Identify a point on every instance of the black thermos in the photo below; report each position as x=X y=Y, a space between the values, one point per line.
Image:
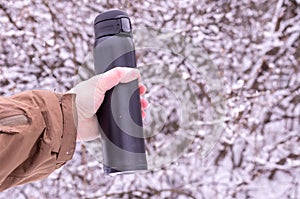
x=120 y=113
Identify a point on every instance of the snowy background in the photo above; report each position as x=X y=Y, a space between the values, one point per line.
x=245 y=95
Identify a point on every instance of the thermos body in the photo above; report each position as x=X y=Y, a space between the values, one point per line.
x=120 y=113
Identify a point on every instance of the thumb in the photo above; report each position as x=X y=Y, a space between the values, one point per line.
x=115 y=76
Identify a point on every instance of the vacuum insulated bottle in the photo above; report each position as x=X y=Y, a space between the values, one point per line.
x=120 y=113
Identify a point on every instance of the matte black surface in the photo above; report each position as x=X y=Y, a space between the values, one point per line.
x=120 y=113
x=111 y=23
x=111 y=14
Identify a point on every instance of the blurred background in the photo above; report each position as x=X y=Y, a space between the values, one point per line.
x=226 y=74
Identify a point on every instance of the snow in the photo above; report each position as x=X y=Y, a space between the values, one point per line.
x=225 y=74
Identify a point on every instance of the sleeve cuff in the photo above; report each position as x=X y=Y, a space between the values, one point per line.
x=68 y=142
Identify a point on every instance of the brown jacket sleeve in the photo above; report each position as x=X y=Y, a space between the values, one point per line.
x=37 y=135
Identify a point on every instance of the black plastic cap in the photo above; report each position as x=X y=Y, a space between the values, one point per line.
x=111 y=14
x=111 y=23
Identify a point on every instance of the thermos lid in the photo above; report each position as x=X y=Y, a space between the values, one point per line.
x=111 y=14
x=112 y=22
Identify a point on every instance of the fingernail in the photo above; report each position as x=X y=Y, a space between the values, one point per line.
x=134 y=74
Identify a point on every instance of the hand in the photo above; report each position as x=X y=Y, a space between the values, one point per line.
x=90 y=95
